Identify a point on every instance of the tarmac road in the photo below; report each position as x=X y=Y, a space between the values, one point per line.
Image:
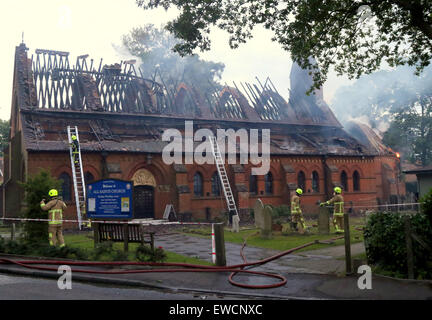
x=23 y=288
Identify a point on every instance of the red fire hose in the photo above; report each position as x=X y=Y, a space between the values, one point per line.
x=180 y=267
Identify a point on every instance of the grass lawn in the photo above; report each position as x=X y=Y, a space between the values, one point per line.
x=85 y=241
x=286 y=239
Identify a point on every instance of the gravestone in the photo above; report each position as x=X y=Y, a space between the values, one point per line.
x=324 y=220
x=263 y=219
x=266 y=230
x=258 y=213
x=235 y=223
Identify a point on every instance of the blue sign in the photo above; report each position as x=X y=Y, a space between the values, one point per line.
x=109 y=198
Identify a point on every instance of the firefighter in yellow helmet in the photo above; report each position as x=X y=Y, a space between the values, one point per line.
x=55 y=209
x=297 y=221
x=338 y=209
x=75 y=148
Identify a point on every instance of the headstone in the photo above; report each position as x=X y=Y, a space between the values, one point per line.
x=258 y=213
x=266 y=229
x=324 y=221
x=235 y=223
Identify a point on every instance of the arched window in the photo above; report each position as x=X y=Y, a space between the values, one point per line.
x=344 y=181
x=65 y=187
x=301 y=180
x=315 y=181
x=215 y=184
x=88 y=177
x=253 y=185
x=268 y=183
x=356 y=181
x=198 y=184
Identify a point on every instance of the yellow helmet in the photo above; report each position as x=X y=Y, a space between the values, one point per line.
x=337 y=190
x=299 y=191
x=53 y=193
x=74 y=137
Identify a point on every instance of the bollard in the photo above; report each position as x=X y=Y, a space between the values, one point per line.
x=220 y=245
x=348 y=268
x=213 y=245
x=409 y=248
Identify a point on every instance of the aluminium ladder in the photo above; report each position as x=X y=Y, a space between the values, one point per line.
x=78 y=175
x=229 y=197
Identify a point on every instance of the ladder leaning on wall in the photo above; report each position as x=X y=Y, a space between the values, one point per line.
x=77 y=175
x=229 y=197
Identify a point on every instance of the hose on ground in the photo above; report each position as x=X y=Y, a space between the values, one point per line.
x=168 y=267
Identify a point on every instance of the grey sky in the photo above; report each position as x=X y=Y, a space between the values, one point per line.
x=93 y=26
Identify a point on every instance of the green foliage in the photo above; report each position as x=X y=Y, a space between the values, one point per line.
x=41 y=249
x=106 y=252
x=145 y=254
x=4 y=134
x=153 y=46
x=384 y=237
x=280 y=213
x=36 y=188
x=354 y=37
x=411 y=130
x=426 y=205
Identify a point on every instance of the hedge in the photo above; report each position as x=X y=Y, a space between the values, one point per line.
x=385 y=243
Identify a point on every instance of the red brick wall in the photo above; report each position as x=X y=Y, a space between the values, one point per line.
x=167 y=180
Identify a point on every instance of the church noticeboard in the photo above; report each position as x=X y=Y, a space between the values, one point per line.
x=109 y=199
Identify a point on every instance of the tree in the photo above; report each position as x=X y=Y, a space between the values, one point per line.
x=354 y=37
x=411 y=131
x=153 y=46
x=4 y=134
x=36 y=188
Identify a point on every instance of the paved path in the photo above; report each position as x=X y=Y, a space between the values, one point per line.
x=321 y=261
x=305 y=273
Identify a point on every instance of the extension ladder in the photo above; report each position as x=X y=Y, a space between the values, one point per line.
x=78 y=175
x=229 y=197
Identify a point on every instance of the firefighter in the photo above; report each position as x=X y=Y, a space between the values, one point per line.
x=55 y=209
x=297 y=221
x=338 y=209
x=75 y=148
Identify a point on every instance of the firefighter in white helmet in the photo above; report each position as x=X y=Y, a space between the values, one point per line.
x=55 y=209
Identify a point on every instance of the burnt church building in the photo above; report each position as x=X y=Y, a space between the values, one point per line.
x=121 y=117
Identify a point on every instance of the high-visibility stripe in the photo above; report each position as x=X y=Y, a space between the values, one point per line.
x=295 y=208
x=53 y=217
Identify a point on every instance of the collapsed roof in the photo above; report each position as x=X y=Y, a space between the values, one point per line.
x=118 y=110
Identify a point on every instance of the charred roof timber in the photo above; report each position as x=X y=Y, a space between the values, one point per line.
x=118 y=88
x=52 y=94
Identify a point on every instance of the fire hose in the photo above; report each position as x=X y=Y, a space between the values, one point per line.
x=179 y=267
